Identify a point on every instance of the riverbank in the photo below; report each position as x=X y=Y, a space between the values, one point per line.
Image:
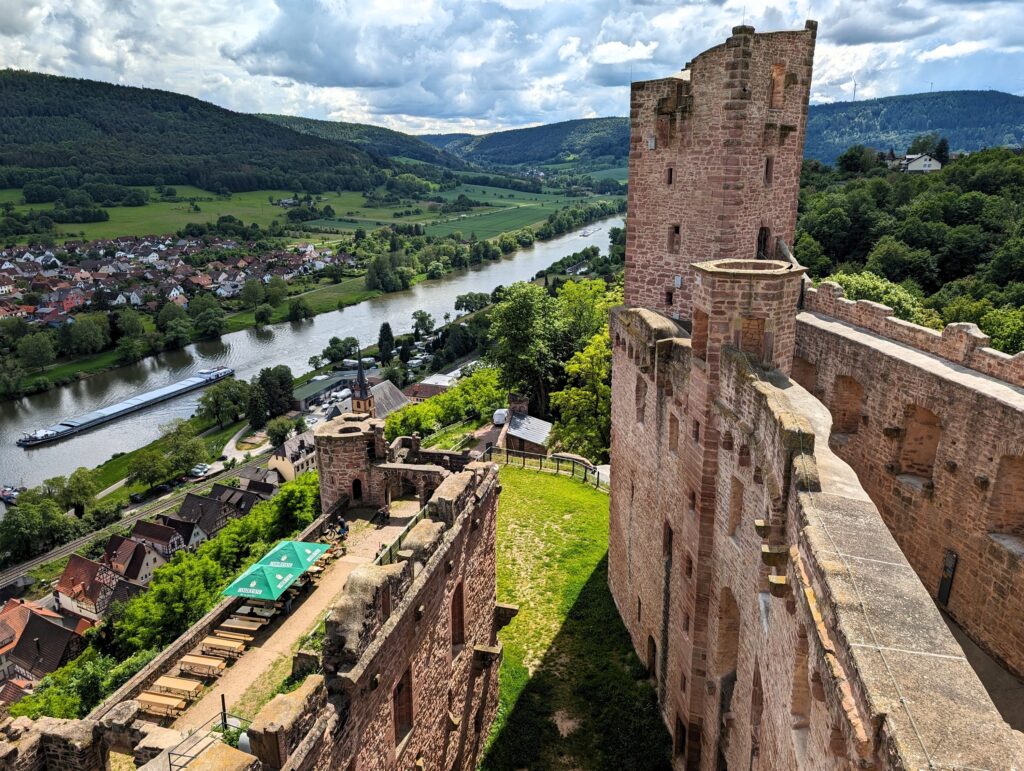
x=247 y=351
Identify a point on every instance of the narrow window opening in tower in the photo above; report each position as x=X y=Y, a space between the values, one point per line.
x=769 y=170
x=764 y=237
x=674 y=238
x=669 y=297
x=669 y=175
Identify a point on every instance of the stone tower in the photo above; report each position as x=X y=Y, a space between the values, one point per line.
x=714 y=162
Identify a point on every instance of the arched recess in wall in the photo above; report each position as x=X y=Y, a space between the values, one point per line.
x=805 y=374
x=921 y=435
x=357 y=489
x=800 y=698
x=764 y=245
x=756 y=711
x=1006 y=506
x=847 y=405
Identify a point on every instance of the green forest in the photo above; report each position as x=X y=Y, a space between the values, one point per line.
x=69 y=132
x=373 y=139
x=939 y=248
x=573 y=140
x=970 y=120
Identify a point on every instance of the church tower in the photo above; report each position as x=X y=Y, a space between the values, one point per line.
x=362 y=396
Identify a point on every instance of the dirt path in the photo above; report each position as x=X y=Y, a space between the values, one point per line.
x=280 y=638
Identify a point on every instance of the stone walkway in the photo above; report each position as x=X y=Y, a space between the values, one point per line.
x=280 y=638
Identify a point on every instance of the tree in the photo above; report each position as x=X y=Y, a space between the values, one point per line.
x=79 y=490
x=256 y=409
x=300 y=424
x=263 y=314
x=316 y=361
x=422 y=323
x=521 y=345
x=34 y=527
x=36 y=350
x=924 y=143
x=224 y=401
x=896 y=261
x=178 y=333
x=584 y=406
x=130 y=349
x=941 y=152
x=870 y=286
x=338 y=349
x=252 y=293
x=88 y=335
x=148 y=467
x=210 y=323
x=386 y=343
x=279 y=429
x=277 y=384
x=129 y=323
x=277 y=290
x=857 y=159
x=472 y=301
x=405 y=352
x=396 y=374
x=184 y=448
x=299 y=309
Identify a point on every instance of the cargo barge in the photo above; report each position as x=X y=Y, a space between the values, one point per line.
x=103 y=415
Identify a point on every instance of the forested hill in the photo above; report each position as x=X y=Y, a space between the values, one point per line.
x=53 y=125
x=970 y=120
x=584 y=139
x=373 y=139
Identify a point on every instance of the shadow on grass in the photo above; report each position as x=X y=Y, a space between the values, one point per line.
x=592 y=683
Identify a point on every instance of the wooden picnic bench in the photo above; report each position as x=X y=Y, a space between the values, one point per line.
x=207 y=666
x=222 y=646
x=160 y=703
x=227 y=634
x=241 y=624
x=178 y=686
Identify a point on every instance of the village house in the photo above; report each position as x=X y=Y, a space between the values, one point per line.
x=295 y=456
x=88 y=588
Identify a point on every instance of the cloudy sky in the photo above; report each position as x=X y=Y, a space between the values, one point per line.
x=477 y=65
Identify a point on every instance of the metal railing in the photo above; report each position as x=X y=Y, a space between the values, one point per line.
x=389 y=554
x=213 y=730
x=579 y=470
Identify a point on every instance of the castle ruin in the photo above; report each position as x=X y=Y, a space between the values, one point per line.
x=797 y=479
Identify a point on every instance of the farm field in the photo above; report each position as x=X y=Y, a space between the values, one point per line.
x=619 y=173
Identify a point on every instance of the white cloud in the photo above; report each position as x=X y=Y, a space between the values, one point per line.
x=475 y=65
x=617 y=52
x=952 y=50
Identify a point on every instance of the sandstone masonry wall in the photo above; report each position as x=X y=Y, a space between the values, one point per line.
x=952 y=488
x=804 y=657
x=714 y=162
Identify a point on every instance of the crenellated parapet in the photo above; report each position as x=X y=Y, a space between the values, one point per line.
x=962 y=343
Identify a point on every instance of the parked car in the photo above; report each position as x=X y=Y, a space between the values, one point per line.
x=199 y=470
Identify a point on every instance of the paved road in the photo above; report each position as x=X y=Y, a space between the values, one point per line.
x=11 y=575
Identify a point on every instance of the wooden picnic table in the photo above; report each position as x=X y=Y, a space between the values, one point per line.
x=202 y=665
x=223 y=645
x=160 y=703
x=243 y=624
x=179 y=686
x=226 y=634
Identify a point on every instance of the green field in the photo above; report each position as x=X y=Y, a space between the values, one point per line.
x=619 y=173
x=322 y=299
x=573 y=694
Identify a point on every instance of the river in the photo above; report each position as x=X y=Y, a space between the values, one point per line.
x=247 y=352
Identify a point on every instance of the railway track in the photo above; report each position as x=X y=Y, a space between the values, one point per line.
x=13 y=574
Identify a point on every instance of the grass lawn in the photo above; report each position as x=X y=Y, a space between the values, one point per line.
x=453 y=438
x=322 y=299
x=573 y=693
x=96 y=362
x=116 y=469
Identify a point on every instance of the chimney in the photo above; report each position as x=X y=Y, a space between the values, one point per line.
x=518 y=404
